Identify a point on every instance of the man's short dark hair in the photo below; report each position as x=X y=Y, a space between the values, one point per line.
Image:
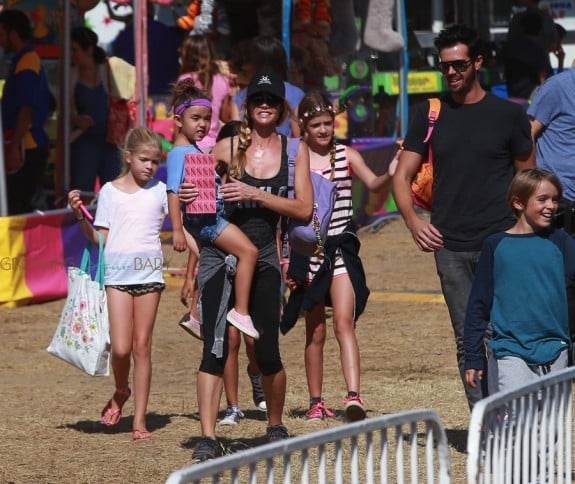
x=460 y=34
x=17 y=21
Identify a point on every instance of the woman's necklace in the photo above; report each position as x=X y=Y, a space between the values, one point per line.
x=261 y=148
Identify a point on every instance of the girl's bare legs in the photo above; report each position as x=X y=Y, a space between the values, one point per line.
x=343 y=299
x=131 y=324
x=193 y=259
x=233 y=241
x=253 y=366
x=145 y=309
x=315 y=335
x=120 y=317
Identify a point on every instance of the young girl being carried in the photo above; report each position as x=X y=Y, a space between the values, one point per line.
x=130 y=213
x=198 y=62
x=346 y=290
x=192 y=115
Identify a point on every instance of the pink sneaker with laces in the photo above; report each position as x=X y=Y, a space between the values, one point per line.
x=317 y=412
x=354 y=408
x=244 y=323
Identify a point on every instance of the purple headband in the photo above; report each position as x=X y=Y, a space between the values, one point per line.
x=180 y=108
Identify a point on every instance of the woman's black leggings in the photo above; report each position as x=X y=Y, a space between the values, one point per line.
x=265 y=313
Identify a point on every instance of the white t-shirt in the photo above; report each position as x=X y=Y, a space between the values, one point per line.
x=133 y=251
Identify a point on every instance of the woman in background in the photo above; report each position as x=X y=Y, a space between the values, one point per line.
x=91 y=155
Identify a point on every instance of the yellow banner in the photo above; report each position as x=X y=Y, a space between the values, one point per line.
x=13 y=288
x=418 y=82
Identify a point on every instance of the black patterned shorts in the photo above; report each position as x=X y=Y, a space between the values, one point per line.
x=139 y=289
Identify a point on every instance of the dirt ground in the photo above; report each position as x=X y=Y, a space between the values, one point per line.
x=50 y=427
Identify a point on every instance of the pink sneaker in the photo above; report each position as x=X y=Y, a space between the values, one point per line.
x=318 y=412
x=354 y=408
x=243 y=323
x=192 y=326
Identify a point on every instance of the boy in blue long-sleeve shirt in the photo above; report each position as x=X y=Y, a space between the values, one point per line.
x=519 y=287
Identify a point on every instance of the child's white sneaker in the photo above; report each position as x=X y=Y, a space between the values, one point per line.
x=232 y=417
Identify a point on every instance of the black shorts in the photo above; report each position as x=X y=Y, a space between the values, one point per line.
x=139 y=289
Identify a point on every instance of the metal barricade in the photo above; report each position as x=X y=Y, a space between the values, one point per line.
x=524 y=435
x=409 y=446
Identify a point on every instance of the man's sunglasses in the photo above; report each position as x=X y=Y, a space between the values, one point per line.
x=269 y=99
x=458 y=65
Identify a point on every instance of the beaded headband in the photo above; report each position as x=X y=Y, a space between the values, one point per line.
x=180 y=108
x=317 y=110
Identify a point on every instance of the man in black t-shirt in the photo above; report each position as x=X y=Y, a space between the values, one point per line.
x=478 y=143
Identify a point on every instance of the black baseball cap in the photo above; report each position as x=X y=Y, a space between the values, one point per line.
x=268 y=82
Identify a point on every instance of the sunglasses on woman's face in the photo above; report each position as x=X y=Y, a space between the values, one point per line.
x=268 y=99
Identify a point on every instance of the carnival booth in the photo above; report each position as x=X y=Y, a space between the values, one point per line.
x=35 y=249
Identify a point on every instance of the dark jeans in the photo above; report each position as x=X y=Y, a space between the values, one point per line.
x=26 y=182
x=456 y=271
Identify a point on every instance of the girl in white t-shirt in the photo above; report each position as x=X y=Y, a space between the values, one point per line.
x=130 y=213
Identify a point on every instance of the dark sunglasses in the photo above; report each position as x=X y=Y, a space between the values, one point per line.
x=262 y=98
x=458 y=65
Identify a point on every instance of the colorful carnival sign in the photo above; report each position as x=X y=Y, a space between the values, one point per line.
x=35 y=251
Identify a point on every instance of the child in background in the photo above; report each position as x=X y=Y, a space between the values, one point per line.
x=129 y=216
x=345 y=289
x=519 y=287
x=198 y=63
x=192 y=115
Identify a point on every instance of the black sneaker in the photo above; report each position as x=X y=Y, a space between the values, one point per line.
x=276 y=432
x=258 y=391
x=206 y=449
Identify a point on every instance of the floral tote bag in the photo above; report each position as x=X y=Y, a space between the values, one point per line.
x=82 y=337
